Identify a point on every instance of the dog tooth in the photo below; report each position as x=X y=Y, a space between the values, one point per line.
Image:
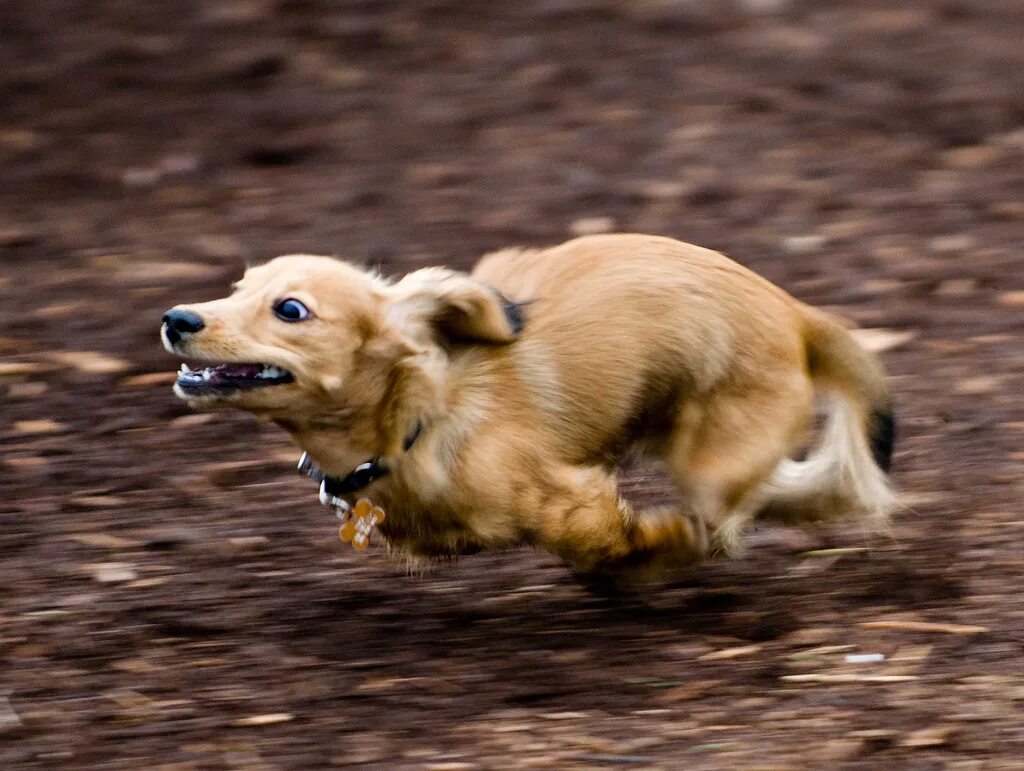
x=207 y=373
x=184 y=369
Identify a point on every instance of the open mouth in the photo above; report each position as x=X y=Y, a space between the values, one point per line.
x=228 y=378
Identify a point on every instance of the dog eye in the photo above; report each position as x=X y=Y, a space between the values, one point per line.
x=291 y=310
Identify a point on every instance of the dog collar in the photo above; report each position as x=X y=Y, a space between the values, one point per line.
x=361 y=476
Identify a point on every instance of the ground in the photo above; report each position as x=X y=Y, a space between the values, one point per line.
x=174 y=597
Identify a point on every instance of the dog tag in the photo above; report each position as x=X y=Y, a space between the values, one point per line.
x=357 y=529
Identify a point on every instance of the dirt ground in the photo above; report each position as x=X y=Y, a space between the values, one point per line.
x=173 y=597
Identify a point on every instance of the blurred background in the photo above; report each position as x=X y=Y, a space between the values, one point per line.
x=173 y=597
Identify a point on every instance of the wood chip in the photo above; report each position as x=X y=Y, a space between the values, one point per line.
x=589 y=226
x=90 y=362
x=847 y=678
x=271 y=719
x=8 y=717
x=228 y=473
x=142 y=272
x=26 y=390
x=41 y=426
x=838 y=551
x=193 y=420
x=113 y=572
x=881 y=339
x=26 y=462
x=924 y=626
x=730 y=653
x=982 y=384
x=150 y=379
x=13 y=368
x=103 y=541
x=1014 y=299
x=98 y=501
x=933 y=736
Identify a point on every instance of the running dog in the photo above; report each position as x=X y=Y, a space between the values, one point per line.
x=490 y=409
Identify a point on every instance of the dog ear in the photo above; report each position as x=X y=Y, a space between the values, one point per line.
x=457 y=306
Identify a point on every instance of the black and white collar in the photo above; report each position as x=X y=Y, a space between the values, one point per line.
x=361 y=476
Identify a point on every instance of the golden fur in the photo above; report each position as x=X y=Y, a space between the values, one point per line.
x=629 y=341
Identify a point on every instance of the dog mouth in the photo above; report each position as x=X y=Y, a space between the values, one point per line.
x=224 y=379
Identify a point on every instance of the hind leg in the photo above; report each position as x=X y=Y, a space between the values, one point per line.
x=722 y=452
x=585 y=521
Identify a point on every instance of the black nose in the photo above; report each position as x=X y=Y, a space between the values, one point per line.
x=178 y=323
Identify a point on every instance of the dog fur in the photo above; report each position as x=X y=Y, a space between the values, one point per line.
x=536 y=373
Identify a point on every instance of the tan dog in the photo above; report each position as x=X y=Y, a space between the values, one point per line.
x=493 y=407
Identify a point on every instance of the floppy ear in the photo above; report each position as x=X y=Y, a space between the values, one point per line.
x=456 y=305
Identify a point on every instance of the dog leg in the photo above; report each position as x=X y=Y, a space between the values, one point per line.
x=722 y=456
x=587 y=523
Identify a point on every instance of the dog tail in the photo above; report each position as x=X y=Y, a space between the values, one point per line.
x=847 y=472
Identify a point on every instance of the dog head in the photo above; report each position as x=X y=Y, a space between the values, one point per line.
x=318 y=345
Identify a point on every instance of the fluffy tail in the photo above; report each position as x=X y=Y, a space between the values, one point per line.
x=846 y=472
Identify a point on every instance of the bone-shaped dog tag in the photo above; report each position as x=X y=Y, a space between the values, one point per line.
x=357 y=529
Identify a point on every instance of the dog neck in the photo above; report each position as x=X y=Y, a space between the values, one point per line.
x=362 y=475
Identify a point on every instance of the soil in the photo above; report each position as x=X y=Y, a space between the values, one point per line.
x=173 y=595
